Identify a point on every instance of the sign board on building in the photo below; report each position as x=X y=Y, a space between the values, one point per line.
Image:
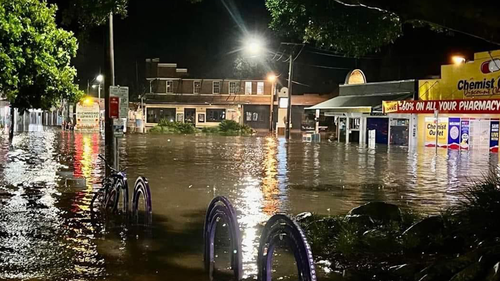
x=478 y=79
x=483 y=106
x=122 y=94
x=355 y=77
x=87 y=116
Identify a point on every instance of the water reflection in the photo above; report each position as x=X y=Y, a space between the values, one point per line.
x=45 y=230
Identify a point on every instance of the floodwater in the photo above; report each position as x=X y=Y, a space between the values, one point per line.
x=46 y=233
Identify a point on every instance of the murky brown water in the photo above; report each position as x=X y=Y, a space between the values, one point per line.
x=46 y=234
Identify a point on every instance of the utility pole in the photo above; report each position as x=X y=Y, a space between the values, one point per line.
x=109 y=81
x=289 y=108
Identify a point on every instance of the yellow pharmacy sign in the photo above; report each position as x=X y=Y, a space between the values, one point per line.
x=478 y=79
x=431 y=131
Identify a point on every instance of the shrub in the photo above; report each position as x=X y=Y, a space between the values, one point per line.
x=233 y=128
x=210 y=130
x=165 y=126
x=185 y=128
x=229 y=125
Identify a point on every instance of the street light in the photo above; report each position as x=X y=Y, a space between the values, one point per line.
x=458 y=59
x=254 y=46
x=100 y=80
x=271 y=77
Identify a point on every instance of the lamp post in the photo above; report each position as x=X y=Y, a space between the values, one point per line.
x=272 y=78
x=255 y=47
x=100 y=80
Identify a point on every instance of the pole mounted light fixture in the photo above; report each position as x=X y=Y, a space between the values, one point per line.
x=272 y=77
x=99 y=78
x=458 y=59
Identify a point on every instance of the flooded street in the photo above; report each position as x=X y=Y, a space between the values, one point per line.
x=45 y=227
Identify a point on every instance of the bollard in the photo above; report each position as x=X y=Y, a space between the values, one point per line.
x=221 y=208
x=281 y=227
x=141 y=188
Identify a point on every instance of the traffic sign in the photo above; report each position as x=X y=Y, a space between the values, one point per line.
x=118 y=127
x=122 y=93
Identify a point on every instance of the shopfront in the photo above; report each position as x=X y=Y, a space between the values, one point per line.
x=453 y=124
x=357 y=113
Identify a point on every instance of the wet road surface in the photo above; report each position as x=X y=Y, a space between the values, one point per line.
x=45 y=227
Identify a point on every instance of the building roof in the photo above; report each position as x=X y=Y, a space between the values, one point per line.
x=368 y=97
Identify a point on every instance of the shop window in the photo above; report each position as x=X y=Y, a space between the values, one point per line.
x=260 y=88
x=253 y=117
x=157 y=114
x=216 y=115
x=354 y=123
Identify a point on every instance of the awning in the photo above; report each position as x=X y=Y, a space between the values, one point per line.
x=359 y=103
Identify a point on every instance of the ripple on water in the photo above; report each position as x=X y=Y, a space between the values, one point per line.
x=45 y=231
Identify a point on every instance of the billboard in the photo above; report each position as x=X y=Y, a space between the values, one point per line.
x=477 y=79
x=87 y=115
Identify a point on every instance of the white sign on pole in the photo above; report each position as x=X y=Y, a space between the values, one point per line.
x=122 y=93
x=118 y=127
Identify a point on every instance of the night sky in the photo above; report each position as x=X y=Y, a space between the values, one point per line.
x=203 y=37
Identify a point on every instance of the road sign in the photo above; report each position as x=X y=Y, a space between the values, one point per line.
x=122 y=93
x=118 y=127
x=114 y=107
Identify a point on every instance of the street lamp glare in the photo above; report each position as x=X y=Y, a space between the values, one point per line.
x=253 y=45
x=271 y=77
x=94 y=86
x=458 y=59
x=99 y=78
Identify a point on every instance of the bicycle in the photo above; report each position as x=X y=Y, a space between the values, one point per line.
x=107 y=198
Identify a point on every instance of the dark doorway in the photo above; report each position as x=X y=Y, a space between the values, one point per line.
x=381 y=127
x=189 y=115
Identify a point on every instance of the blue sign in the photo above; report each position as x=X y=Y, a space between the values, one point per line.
x=454 y=133
x=464 y=136
x=494 y=135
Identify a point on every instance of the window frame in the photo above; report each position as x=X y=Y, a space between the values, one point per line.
x=194 y=86
x=213 y=87
x=169 y=89
x=236 y=87
x=262 y=87
x=222 y=118
x=247 y=84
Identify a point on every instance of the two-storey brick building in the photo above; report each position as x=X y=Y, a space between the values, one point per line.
x=175 y=96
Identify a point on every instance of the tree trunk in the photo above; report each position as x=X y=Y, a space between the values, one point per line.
x=11 y=129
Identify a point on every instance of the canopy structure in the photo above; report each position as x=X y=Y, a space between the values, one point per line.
x=367 y=98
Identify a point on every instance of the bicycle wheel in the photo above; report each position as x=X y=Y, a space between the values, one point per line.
x=97 y=206
x=112 y=199
x=122 y=186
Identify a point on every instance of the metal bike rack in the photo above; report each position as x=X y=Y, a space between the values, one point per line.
x=141 y=189
x=221 y=208
x=281 y=227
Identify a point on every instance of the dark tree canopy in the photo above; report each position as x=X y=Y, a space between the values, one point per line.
x=35 y=55
x=90 y=13
x=348 y=30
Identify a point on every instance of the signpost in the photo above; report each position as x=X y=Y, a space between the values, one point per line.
x=118 y=111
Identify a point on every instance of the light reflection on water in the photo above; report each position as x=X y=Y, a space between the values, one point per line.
x=45 y=229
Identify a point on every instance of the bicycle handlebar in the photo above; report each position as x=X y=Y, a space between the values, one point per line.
x=111 y=168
